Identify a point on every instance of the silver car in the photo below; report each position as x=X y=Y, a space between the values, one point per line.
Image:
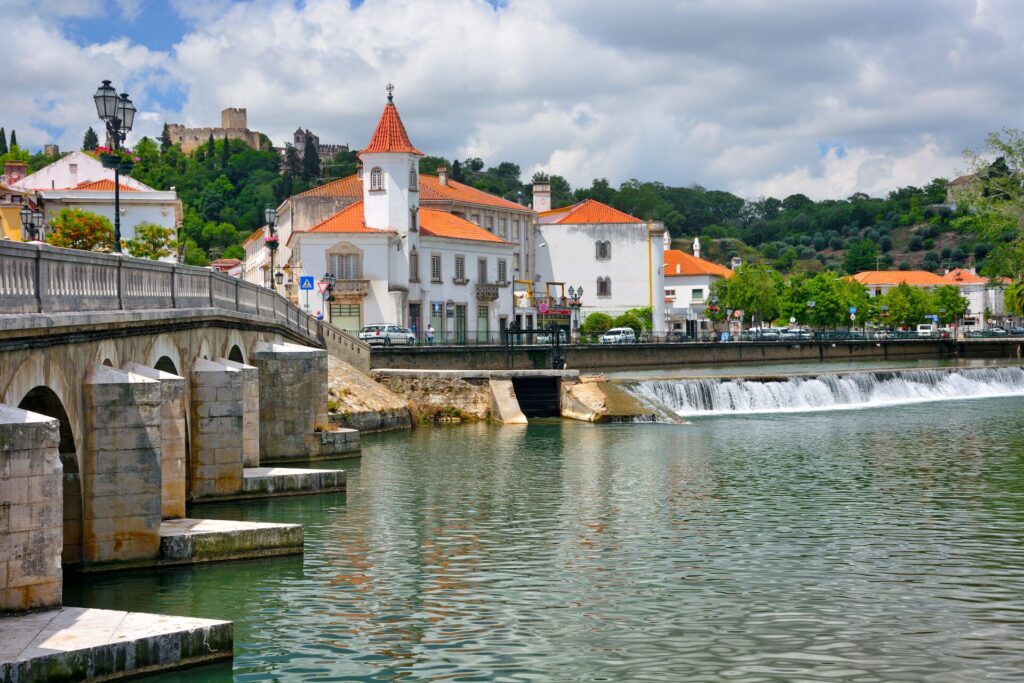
x=386 y=335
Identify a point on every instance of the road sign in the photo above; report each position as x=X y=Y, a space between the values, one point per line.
x=853 y=316
x=305 y=282
x=542 y=308
x=321 y=286
x=792 y=319
x=853 y=309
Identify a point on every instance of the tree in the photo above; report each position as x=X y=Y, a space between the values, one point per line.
x=310 y=160
x=457 y=171
x=631 y=320
x=78 y=229
x=14 y=139
x=949 y=298
x=90 y=141
x=753 y=289
x=193 y=255
x=211 y=147
x=152 y=241
x=860 y=256
x=3 y=141
x=225 y=154
x=165 y=139
x=1014 y=298
x=429 y=164
x=907 y=305
x=596 y=324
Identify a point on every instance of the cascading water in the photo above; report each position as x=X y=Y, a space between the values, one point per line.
x=696 y=397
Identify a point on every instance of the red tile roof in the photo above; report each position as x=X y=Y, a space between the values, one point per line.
x=105 y=185
x=962 y=276
x=390 y=135
x=680 y=264
x=349 y=219
x=443 y=224
x=587 y=211
x=915 y=278
x=431 y=191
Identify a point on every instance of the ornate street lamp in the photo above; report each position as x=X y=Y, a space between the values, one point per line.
x=118 y=115
x=329 y=292
x=32 y=222
x=271 y=242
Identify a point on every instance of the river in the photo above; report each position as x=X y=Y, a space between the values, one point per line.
x=879 y=544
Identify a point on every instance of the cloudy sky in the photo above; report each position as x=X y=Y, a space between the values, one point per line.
x=759 y=97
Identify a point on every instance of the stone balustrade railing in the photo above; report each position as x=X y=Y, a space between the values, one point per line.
x=38 y=278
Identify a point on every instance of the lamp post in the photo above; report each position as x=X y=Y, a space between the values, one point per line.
x=270 y=216
x=118 y=115
x=32 y=222
x=575 y=294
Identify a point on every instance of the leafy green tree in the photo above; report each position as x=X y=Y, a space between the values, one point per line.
x=310 y=160
x=631 y=320
x=906 y=305
x=3 y=142
x=457 y=171
x=1014 y=298
x=429 y=164
x=215 y=198
x=755 y=290
x=225 y=154
x=193 y=255
x=949 y=298
x=152 y=241
x=90 y=141
x=14 y=139
x=596 y=324
x=78 y=229
x=860 y=256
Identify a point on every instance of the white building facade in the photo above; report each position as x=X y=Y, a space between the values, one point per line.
x=688 y=282
x=617 y=259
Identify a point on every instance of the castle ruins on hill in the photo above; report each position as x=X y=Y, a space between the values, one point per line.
x=233 y=126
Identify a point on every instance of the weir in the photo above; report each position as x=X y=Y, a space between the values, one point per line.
x=834 y=391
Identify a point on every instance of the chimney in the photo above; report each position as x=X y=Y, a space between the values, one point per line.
x=442 y=174
x=736 y=263
x=542 y=196
x=666 y=240
x=73 y=173
x=696 y=247
x=14 y=172
x=359 y=170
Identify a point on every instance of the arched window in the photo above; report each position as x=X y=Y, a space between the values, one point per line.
x=376 y=180
x=414 y=181
x=604 y=250
x=604 y=286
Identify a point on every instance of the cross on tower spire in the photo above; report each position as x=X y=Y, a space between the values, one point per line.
x=391 y=89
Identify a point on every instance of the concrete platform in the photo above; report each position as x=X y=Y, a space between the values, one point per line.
x=263 y=482
x=336 y=444
x=74 y=643
x=192 y=541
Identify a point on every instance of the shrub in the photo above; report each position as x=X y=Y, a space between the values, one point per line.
x=596 y=324
x=78 y=229
x=629 y=319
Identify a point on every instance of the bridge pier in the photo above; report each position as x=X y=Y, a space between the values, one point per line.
x=293 y=398
x=172 y=438
x=250 y=411
x=216 y=410
x=121 y=474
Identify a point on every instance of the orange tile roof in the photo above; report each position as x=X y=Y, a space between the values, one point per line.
x=105 y=185
x=915 y=278
x=390 y=135
x=350 y=219
x=680 y=264
x=962 y=276
x=436 y=223
x=350 y=186
x=587 y=211
x=431 y=191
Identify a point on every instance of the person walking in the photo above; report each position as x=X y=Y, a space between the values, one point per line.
x=319 y=315
x=430 y=334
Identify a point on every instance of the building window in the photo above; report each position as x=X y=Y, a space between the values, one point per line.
x=376 y=180
x=414 y=182
x=414 y=265
x=347 y=266
x=604 y=286
x=515 y=262
x=670 y=292
x=698 y=295
x=604 y=250
x=435 y=267
x=475 y=218
x=489 y=223
x=515 y=230
x=481 y=271
x=502 y=228
x=502 y=271
x=460 y=269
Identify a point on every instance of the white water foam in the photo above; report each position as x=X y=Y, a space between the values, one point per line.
x=696 y=397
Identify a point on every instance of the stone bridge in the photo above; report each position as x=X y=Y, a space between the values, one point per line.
x=167 y=384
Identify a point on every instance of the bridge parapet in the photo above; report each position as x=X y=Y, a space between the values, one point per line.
x=38 y=278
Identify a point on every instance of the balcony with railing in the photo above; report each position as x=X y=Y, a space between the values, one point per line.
x=351 y=288
x=486 y=292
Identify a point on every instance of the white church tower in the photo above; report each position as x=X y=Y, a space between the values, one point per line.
x=391 y=175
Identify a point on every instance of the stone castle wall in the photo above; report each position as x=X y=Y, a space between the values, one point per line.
x=193 y=138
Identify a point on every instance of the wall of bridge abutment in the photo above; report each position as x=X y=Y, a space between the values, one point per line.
x=126 y=410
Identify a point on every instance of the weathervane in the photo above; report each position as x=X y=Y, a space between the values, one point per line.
x=391 y=89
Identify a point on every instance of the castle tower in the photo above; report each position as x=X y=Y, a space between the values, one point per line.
x=390 y=174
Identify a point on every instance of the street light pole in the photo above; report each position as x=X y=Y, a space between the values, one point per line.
x=118 y=115
x=270 y=215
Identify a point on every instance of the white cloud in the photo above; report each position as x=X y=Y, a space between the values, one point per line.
x=735 y=94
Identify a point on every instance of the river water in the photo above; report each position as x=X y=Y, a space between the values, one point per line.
x=881 y=544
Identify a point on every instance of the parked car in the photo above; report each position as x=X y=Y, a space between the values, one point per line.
x=619 y=335
x=1016 y=331
x=545 y=338
x=386 y=335
x=926 y=330
x=676 y=337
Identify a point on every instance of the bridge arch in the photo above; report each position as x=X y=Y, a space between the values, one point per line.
x=43 y=400
x=108 y=354
x=163 y=354
x=233 y=340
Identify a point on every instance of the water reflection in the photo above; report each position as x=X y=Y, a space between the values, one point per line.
x=874 y=545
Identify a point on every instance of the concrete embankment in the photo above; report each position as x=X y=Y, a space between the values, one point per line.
x=356 y=401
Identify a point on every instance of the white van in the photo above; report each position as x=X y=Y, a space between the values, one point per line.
x=619 y=335
x=926 y=330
